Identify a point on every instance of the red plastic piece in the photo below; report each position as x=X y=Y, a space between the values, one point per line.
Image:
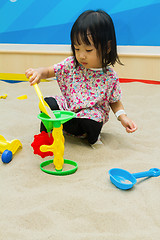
x=42 y=139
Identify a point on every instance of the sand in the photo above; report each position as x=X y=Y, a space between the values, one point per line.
x=85 y=205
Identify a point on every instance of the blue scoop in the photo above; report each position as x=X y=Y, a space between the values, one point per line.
x=125 y=180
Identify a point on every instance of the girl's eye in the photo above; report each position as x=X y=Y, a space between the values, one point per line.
x=76 y=49
x=90 y=50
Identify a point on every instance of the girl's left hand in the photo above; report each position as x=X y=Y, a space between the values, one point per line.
x=129 y=125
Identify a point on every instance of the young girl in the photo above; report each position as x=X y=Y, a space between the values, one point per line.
x=88 y=85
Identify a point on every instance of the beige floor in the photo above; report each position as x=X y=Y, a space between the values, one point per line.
x=85 y=205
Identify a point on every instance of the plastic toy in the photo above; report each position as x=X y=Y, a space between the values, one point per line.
x=125 y=180
x=22 y=97
x=6 y=156
x=4 y=96
x=11 y=146
x=57 y=147
x=42 y=139
x=43 y=104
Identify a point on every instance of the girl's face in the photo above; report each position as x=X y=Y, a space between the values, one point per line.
x=87 y=55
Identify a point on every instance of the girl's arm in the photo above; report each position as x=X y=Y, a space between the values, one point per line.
x=35 y=75
x=129 y=125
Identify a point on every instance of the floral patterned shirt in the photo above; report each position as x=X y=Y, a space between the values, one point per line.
x=88 y=92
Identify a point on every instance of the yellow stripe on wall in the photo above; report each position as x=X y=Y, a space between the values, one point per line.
x=15 y=77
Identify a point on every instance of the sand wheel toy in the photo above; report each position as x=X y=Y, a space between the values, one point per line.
x=57 y=147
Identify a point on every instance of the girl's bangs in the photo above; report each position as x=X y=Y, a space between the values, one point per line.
x=82 y=36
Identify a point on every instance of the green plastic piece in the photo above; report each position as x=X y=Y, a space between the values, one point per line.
x=59 y=172
x=61 y=117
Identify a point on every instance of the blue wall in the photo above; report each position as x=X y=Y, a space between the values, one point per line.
x=137 y=22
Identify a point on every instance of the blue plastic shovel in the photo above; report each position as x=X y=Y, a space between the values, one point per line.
x=125 y=180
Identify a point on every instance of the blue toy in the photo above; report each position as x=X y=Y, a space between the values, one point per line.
x=6 y=156
x=125 y=180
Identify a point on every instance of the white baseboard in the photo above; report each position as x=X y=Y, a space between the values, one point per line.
x=48 y=48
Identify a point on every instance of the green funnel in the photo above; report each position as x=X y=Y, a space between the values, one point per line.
x=61 y=117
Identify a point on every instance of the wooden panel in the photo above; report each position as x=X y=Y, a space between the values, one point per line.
x=135 y=66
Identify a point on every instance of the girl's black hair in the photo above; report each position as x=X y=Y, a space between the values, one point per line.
x=99 y=26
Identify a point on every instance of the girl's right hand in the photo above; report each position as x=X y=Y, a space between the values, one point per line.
x=34 y=75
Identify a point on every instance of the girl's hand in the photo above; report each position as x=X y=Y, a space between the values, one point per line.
x=34 y=75
x=129 y=125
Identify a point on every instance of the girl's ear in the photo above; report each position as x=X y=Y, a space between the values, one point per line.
x=109 y=46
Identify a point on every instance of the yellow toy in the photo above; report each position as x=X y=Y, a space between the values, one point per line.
x=11 y=146
x=22 y=97
x=4 y=96
x=57 y=147
x=43 y=106
x=53 y=120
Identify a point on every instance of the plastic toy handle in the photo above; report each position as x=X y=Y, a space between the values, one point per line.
x=46 y=148
x=38 y=91
x=153 y=172
x=44 y=107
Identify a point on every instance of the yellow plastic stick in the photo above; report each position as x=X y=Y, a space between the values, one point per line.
x=43 y=104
